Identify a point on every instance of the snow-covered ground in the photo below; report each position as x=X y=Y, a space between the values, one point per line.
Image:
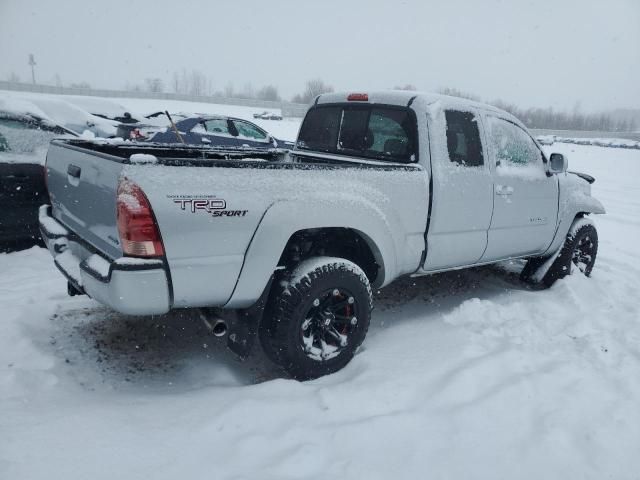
x=468 y=374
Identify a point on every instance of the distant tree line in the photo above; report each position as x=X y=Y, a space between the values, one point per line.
x=197 y=83
x=548 y=118
x=551 y=119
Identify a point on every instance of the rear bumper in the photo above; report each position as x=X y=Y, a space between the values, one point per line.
x=128 y=285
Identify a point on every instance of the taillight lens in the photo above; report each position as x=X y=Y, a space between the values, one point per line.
x=136 y=134
x=139 y=234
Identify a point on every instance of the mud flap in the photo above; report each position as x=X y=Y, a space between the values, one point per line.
x=242 y=333
x=243 y=328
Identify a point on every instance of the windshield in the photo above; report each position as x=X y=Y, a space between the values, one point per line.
x=372 y=131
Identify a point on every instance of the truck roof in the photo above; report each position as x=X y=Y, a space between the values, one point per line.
x=403 y=97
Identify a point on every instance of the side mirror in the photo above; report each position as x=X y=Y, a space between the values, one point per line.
x=557 y=163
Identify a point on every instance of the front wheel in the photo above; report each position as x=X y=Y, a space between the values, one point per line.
x=578 y=254
x=317 y=317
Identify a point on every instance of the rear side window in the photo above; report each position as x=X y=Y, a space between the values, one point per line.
x=247 y=130
x=378 y=132
x=218 y=126
x=463 y=139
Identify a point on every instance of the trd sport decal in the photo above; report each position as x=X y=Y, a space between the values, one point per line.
x=216 y=207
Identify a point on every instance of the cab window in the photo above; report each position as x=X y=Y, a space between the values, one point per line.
x=512 y=146
x=463 y=139
x=377 y=132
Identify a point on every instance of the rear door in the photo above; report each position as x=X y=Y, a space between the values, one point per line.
x=462 y=199
x=525 y=198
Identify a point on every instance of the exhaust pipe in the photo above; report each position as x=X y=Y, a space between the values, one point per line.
x=219 y=328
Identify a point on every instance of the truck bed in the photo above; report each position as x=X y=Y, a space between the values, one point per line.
x=226 y=216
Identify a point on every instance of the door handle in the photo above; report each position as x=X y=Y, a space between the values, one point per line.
x=504 y=190
x=74 y=171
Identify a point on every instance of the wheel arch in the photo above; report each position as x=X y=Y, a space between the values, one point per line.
x=574 y=204
x=286 y=220
x=342 y=242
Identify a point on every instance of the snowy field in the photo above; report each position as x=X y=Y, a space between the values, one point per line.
x=463 y=375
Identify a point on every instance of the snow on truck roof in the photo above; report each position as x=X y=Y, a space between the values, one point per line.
x=402 y=98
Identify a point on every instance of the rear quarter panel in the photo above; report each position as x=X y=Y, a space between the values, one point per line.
x=209 y=254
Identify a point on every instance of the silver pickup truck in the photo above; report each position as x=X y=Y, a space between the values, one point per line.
x=378 y=186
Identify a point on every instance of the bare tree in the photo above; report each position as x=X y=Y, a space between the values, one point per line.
x=176 y=84
x=229 y=90
x=407 y=86
x=312 y=89
x=268 y=92
x=197 y=83
x=83 y=85
x=454 y=92
x=13 y=77
x=246 y=92
x=154 y=85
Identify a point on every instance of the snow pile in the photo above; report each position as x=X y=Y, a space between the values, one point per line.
x=99 y=265
x=468 y=374
x=142 y=159
x=598 y=142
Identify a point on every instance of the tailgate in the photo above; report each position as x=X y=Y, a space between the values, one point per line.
x=82 y=185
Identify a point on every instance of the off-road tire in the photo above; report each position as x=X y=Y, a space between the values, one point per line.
x=292 y=312
x=581 y=241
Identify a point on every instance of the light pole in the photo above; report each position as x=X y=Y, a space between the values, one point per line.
x=32 y=63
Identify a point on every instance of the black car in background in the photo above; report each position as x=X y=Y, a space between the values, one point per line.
x=23 y=144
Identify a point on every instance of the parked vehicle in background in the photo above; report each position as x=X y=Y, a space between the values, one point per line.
x=546 y=139
x=74 y=118
x=150 y=125
x=106 y=109
x=266 y=115
x=271 y=116
x=24 y=139
x=219 y=131
x=379 y=186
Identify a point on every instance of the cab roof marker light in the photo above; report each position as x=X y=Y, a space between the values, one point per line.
x=358 y=97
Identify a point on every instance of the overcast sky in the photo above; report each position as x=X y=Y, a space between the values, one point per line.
x=533 y=53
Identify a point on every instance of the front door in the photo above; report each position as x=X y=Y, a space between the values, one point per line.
x=525 y=198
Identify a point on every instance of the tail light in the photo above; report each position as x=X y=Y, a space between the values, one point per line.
x=139 y=234
x=136 y=134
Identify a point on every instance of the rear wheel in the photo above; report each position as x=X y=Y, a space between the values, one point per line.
x=317 y=317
